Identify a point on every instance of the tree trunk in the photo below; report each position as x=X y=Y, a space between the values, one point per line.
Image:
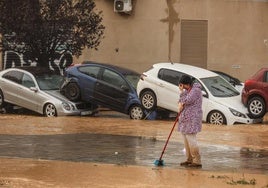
x=43 y=61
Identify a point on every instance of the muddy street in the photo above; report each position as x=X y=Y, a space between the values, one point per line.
x=30 y=143
x=127 y=150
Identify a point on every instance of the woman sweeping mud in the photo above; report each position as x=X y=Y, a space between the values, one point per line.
x=190 y=120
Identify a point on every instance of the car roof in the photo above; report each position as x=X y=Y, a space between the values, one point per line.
x=120 y=69
x=197 y=72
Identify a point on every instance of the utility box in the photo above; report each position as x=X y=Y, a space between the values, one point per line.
x=124 y=6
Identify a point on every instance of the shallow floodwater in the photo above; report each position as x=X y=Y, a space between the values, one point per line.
x=128 y=150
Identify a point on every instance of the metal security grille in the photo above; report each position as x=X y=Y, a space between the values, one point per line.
x=194 y=37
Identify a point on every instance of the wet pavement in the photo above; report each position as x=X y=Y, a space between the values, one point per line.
x=42 y=151
x=129 y=150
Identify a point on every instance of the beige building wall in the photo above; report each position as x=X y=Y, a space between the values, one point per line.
x=135 y=41
x=237 y=34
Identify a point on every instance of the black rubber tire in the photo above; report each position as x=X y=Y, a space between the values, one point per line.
x=256 y=107
x=217 y=118
x=2 y=101
x=72 y=92
x=148 y=100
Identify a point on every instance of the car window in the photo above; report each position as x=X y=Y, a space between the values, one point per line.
x=49 y=81
x=219 y=87
x=133 y=79
x=170 y=76
x=266 y=77
x=14 y=76
x=27 y=81
x=91 y=71
x=226 y=77
x=113 y=78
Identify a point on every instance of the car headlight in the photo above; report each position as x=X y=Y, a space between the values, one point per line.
x=66 y=106
x=236 y=113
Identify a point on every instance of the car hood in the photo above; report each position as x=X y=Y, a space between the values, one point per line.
x=232 y=102
x=56 y=94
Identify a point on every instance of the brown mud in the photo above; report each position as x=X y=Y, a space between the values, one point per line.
x=72 y=152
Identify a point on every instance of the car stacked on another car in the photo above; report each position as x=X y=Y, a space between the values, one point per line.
x=106 y=85
x=37 y=89
x=255 y=94
x=158 y=88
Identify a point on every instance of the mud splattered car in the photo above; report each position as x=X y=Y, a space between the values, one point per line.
x=158 y=88
x=255 y=94
x=107 y=85
x=37 y=89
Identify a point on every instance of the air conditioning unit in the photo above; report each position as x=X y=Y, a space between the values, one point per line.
x=122 y=6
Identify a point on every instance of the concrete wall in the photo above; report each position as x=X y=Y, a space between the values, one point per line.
x=237 y=34
x=135 y=41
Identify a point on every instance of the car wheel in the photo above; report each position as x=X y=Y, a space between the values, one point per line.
x=136 y=112
x=50 y=110
x=216 y=118
x=2 y=102
x=148 y=100
x=72 y=91
x=256 y=107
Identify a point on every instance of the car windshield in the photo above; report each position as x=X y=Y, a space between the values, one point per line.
x=49 y=81
x=133 y=79
x=219 y=87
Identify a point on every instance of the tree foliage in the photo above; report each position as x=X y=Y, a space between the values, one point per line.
x=40 y=28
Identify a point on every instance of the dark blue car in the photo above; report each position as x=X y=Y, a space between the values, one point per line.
x=104 y=84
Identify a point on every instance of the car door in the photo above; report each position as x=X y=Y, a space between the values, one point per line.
x=111 y=90
x=207 y=103
x=9 y=85
x=28 y=95
x=167 y=89
x=88 y=79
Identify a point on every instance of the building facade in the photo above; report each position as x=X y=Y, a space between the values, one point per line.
x=226 y=35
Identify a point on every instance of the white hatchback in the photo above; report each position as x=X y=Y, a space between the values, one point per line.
x=158 y=88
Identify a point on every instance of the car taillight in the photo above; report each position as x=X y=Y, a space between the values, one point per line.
x=143 y=76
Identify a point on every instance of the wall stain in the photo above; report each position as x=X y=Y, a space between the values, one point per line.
x=172 y=19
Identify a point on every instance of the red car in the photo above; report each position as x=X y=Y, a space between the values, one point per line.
x=255 y=94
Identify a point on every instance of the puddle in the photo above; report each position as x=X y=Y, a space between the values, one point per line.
x=128 y=150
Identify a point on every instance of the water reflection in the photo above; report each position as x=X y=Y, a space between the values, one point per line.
x=128 y=150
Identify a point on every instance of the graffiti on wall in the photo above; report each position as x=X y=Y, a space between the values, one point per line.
x=15 y=59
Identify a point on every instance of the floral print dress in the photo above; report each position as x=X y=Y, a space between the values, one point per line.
x=190 y=119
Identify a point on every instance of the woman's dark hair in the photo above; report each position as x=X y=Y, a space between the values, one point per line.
x=185 y=79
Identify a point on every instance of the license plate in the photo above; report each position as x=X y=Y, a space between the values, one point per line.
x=259 y=120
x=84 y=113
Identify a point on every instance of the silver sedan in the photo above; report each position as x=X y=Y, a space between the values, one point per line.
x=37 y=89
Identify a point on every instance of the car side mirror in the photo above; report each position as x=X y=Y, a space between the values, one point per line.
x=33 y=89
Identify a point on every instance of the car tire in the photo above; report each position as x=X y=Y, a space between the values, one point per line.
x=217 y=118
x=72 y=91
x=148 y=100
x=136 y=112
x=256 y=107
x=2 y=102
x=50 y=110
